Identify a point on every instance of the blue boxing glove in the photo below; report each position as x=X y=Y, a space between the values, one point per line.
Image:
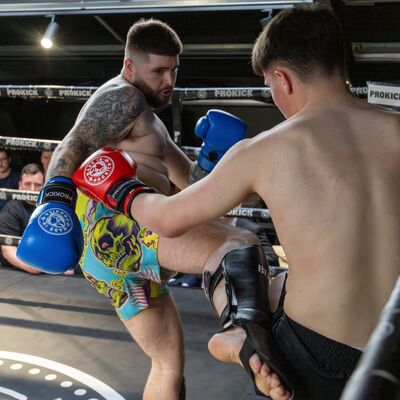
x=52 y=241
x=219 y=130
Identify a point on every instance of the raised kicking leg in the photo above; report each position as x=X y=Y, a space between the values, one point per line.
x=247 y=341
x=157 y=330
x=206 y=246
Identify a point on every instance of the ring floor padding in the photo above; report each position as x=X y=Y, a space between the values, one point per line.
x=60 y=340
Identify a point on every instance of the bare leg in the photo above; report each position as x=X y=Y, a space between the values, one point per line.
x=157 y=330
x=189 y=253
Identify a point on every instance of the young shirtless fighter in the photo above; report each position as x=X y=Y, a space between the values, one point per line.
x=330 y=177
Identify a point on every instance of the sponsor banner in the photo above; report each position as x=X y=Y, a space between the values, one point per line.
x=233 y=93
x=75 y=92
x=84 y=92
x=244 y=212
x=19 y=142
x=384 y=94
x=24 y=197
x=53 y=92
x=256 y=93
x=359 y=91
x=21 y=92
x=21 y=195
x=27 y=144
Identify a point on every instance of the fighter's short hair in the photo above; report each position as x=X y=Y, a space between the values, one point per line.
x=153 y=36
x=307 y=39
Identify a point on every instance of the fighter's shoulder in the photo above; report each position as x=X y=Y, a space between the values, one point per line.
x=119 y=90
x=278 y=133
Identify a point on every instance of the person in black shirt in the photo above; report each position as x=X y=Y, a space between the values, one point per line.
x=15 y=215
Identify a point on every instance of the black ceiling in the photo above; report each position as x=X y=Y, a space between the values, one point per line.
x=89 y=47
x=217 y=36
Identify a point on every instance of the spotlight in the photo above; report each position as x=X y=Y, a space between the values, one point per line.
x=52 y=28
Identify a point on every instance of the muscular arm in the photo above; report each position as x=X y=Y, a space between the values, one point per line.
x=105 y=118
x=227 y=185
x=178 y=164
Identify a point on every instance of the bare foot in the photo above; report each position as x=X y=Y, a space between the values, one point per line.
x=226 y=346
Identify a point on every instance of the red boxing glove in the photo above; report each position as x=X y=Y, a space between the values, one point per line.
x=109 y=176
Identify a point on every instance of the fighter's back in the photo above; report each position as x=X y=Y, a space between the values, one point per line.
x=333 y=190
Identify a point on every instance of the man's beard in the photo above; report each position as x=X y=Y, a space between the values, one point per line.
x=154 y=99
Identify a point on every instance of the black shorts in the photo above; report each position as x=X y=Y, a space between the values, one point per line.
x=319 y=366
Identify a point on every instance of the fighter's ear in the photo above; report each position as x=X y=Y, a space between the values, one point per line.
x=129 y=67
x=285 y=78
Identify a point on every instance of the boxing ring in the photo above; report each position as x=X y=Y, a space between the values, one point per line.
x=61 y=340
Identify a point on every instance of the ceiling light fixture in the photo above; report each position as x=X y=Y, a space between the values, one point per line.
x=52 y=28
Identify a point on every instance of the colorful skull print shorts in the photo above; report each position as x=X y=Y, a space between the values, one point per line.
x=119 y=258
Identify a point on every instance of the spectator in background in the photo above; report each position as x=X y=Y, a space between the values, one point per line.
x=15 y=216
x=9 y=176
x=45 y=157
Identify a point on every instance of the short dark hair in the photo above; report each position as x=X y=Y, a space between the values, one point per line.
x=3 y=150
x=153 y=36
x=30 y=169
x=307 y=39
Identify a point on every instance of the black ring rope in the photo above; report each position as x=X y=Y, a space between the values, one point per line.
x=38 y=144
x=8 y=240
x=377 y=375
x=239 y=212
x=179 y=95
x=16 y=143
x=77 y=93
x=20 y=195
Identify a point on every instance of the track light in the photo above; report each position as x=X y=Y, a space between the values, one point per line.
x=52 y=28
x=266 y=19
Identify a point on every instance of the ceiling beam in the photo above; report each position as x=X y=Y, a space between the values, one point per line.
x=117 y=50
x=31 y=7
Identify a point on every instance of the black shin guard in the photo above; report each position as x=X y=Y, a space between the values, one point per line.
x=245 y=271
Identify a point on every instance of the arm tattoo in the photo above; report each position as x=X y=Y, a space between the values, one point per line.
x=105 y=118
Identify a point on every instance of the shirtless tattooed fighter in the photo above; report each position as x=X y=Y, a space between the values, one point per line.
x=125 y=260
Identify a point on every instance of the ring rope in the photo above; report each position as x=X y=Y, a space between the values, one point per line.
x=179 y=95
x=14 y=143
x=239 y=212
x=377 y=374
x=51 y=92
x=79 y=93
x=20 y=195
x=8 y=240
x=39 y=144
